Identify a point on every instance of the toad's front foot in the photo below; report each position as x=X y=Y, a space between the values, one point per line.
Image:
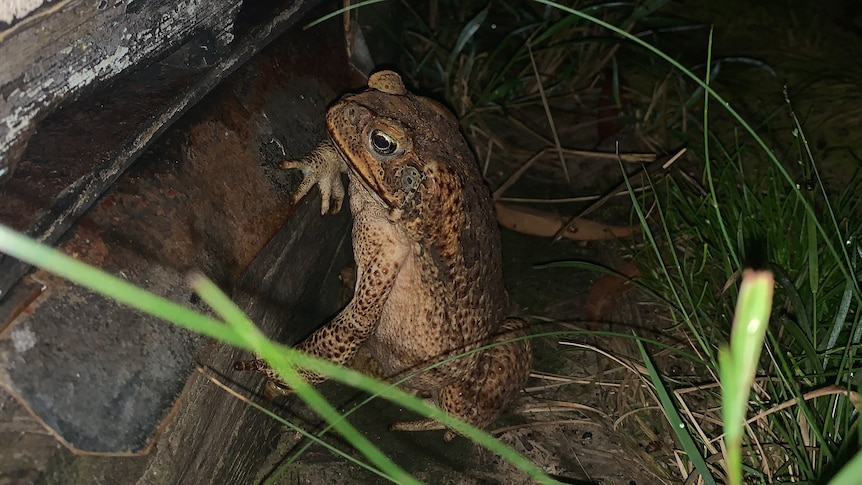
x=321 y=167
x=275 y=387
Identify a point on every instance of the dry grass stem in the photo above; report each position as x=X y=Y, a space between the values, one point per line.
x=550 y=117
x=694 y=422
x=515 y=176
x=565 y=381
x=630 y=365
x=205 y=371
x=549 y=405
x=540 y=424
x=632 y=412
x=660 y=165
x=565 y=200
x=824 y=391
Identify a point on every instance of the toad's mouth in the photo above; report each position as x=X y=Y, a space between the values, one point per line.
x=365 y=175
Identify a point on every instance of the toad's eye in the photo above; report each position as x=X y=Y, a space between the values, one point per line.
x=382 y=143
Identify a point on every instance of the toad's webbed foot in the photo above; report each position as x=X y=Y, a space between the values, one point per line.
x=496 y=380
x=321 y=167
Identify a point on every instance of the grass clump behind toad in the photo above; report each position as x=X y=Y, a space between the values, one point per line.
x=748 y=197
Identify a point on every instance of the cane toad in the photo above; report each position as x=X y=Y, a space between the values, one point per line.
x=427 y=249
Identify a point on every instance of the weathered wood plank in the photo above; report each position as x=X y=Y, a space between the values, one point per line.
x=291 y=287
x=84 y=176
x=61 y=48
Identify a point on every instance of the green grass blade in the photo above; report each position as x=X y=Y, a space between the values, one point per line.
x=404 y=399
x=739 y=363
x=341 y=11
x=707 y=160
x=313 y=439
x=677 y=424
x=849 y=475
x=840 y=253
x=56 y=262
x=839 y=321
x=235 y=318
x=464 y=36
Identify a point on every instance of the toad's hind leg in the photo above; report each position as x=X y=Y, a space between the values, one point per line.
x=499 y=375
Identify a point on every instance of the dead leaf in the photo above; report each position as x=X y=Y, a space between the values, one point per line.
x=537 y=223
x=605 y=291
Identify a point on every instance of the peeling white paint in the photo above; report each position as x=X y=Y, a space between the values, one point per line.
x=112 y=64
x=18 y=122
x=17 y=9
x=86 y=59
x=23 y=339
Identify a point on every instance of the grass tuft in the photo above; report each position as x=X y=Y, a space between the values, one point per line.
x=740 y=203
